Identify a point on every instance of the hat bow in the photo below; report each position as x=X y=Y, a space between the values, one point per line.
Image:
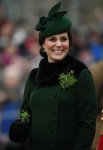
x=52 y=15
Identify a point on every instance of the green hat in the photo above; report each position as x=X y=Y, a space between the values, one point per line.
x=54 y=23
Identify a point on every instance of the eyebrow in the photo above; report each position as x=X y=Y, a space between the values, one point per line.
x=60 y=37
x=64 y=36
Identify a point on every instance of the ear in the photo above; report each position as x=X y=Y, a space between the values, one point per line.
x=43 y=46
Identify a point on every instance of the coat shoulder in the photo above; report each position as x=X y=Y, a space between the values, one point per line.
x=33 y=73
x=77 y=66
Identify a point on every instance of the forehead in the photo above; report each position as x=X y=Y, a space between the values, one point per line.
x=59 y=35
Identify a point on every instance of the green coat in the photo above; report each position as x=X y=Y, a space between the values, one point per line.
x=61 y=119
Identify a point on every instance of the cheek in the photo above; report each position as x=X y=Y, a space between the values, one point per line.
x=48 y=46
x=66 y=46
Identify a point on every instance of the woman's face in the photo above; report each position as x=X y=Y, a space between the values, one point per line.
x=56 y=47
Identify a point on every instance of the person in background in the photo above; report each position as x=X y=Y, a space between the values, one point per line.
x=59 y=105
x=96 y=46
x=97 y=73
x=10 y=102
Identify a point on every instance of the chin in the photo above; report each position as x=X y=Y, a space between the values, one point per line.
x=59 y=58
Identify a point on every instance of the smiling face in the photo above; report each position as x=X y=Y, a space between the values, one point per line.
x=56 y=47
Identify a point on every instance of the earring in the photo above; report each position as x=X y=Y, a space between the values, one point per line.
x=44 y=50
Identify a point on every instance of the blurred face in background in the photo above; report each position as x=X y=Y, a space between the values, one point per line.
x=56 y=47
x=7 y=29
x=11 y=77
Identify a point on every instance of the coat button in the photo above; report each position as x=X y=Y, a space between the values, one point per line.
x=54 y=112
x=52 y=146
x=55 y=95
x=52 y=128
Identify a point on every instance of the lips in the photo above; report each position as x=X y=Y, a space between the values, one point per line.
x=57 y=51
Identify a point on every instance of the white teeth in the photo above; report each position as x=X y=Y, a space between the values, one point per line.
x=58 y=50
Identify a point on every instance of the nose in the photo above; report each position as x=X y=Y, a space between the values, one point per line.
x=58 y=43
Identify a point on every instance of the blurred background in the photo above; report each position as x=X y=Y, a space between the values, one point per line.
x=19 y=52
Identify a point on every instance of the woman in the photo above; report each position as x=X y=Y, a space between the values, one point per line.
x=59 y=107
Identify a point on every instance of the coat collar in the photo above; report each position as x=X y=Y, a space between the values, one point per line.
x=48 y=73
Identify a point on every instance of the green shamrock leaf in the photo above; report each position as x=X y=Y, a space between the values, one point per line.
x=67 y=80
x=24 y=116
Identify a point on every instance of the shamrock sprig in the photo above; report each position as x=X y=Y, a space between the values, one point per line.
x=24 y=116
x=67 y=80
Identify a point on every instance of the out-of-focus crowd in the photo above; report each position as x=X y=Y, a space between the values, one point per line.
x=19 y=53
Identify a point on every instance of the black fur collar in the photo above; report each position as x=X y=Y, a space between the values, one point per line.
x=47 y=73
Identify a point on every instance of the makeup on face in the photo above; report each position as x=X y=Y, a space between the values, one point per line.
x=56 y=47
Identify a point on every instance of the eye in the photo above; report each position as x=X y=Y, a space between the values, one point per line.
x=52 y=39
x=63 y=39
